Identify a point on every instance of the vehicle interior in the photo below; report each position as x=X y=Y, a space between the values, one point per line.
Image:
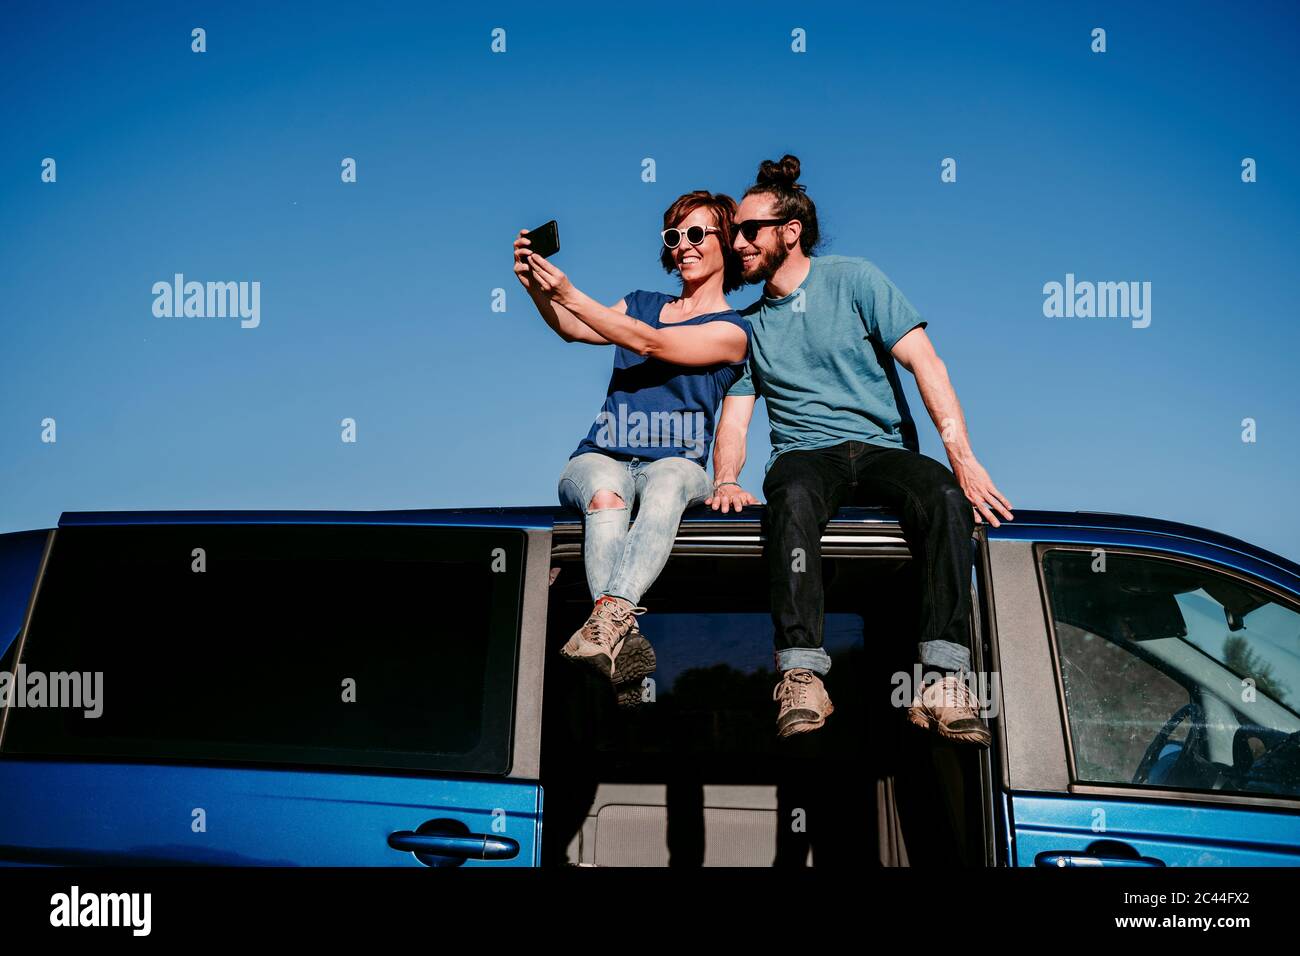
x=696 y=776
x=1176 y=677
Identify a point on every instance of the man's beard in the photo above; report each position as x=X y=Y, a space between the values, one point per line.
x=770 y=261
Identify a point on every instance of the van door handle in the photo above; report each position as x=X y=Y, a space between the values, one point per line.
x=1062 y=858
x=469 y=846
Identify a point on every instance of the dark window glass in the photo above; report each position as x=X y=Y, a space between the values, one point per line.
x=1175 y=675
x=711 y=627
x=251 y=659
x=707 y=776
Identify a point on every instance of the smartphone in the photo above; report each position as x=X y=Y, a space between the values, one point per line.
x=545 y=240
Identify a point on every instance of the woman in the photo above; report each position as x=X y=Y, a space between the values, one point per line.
x=675 y=356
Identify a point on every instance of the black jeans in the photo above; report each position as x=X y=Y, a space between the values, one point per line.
x=804 y=489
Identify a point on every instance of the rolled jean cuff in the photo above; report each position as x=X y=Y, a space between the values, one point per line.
x=813 y=658
x=944 y=655
x=622 y=592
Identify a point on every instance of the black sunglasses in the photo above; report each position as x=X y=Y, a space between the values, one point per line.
x=694 y=235
x=749 y=228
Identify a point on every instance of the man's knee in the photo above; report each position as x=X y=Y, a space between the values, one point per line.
x=604 y=499
x=945 y=501
x=794 y=490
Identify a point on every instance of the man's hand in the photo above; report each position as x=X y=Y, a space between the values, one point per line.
x=981 y=492
x=729 y=495
x=729 y=454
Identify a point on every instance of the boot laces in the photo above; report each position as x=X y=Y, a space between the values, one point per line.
x=956 y=694
x=608 y=623
x=794 y=689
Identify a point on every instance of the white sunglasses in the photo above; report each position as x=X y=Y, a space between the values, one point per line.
x=694 y=235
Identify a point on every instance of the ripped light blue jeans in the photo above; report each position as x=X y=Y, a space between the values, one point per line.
x=623 y=563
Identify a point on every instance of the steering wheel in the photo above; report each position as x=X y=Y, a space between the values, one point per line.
x=1189 y=711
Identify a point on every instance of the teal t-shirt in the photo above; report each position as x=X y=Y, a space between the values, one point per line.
x=821 y=359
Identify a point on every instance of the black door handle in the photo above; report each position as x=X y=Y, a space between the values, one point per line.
x=463 y=846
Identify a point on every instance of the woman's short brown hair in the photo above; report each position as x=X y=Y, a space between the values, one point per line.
x=723 y=209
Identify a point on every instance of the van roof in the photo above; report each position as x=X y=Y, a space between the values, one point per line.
x=1027 y=525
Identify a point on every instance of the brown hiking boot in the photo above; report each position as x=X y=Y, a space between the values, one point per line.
x=948 y=707
x=804 y=703
x=602 y=642
x=636 y=662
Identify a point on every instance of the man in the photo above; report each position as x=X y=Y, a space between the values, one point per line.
x=827 y=333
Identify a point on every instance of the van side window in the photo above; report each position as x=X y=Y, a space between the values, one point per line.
x=1175 y=675
x=349 y=645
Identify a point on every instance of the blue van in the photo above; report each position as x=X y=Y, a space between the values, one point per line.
x=384 y=689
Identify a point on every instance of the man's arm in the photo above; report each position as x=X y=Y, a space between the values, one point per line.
x=729 y=454
x=916 y=353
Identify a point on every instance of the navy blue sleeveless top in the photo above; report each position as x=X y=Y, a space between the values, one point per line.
x=655 y=409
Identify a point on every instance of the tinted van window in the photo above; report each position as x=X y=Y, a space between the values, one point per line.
x=299 y=644
x=1175 y=675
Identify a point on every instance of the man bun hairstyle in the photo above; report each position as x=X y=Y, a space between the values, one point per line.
x=779 y=179
x=782 y=174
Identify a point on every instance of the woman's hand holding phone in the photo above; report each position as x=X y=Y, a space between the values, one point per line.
x=523 y=255
x=554 y=284
x=537 y=274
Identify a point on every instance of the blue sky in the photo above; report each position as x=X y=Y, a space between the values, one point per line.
x=376 y=296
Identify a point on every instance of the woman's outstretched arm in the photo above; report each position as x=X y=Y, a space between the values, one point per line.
x=693 y=345
x=563 y=322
